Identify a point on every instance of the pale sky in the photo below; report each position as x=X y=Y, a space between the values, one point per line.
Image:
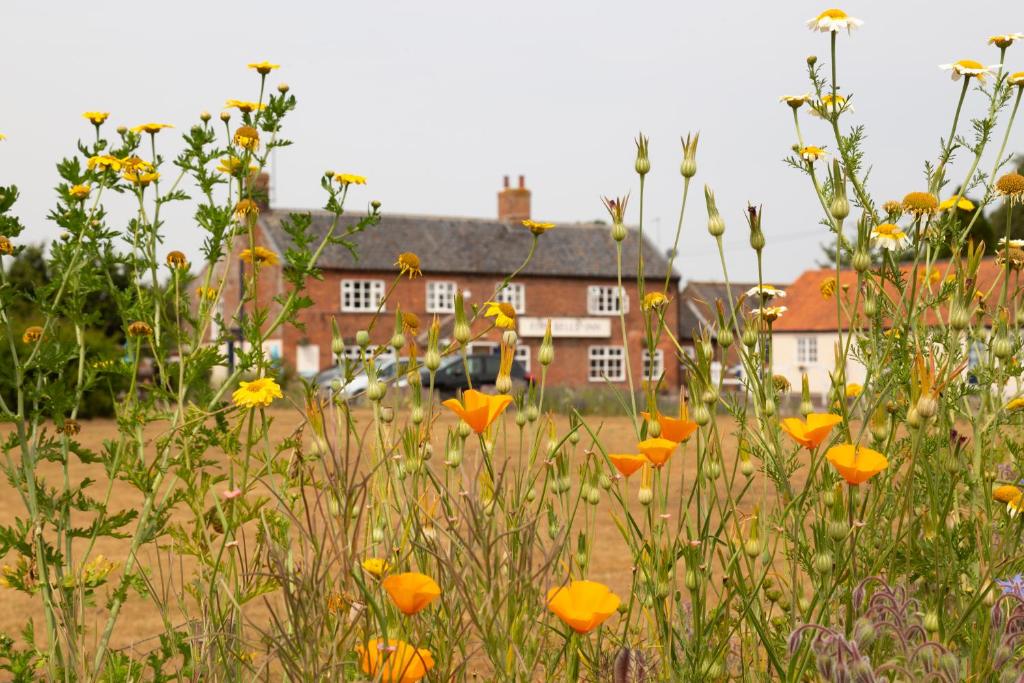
x=434 y=102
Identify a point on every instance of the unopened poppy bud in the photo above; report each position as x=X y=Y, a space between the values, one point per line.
x=604 y=481
x=618 y=232
x=416 y=415
x=861 y=260
x=837 y=529
x=532 y=412
x=653 y=429
x=870 y=304
x=840 y=208
x=914 y=418
x=749 y=336
x=643 y=161
x=464 y=429
x=377 y=534
x=337 y=341
x=531 y=495
x=509 y=338
x=725 y=337
x=959 y=317
x=806 y=405
x=363 y=338
x=503 y=384
x=746 y=465
x=688 y=168
x=931 y=622
x=1002 y=347
x=645 y=495
x=432 y=360
x=593 y=495
x=701 y=414
x=375 y=390
x=691 y=580
x=712 y=470
x=397 y=340
x=823 y=563
x=521 y=419
x=769 y=406
x=927 y=406
x=752 y=548
x=716 y=224
x=547 y=348
x=461 y=332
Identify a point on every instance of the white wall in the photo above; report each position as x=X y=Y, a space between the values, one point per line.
x=785 y=361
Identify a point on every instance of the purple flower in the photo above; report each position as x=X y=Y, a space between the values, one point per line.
x=1013 y=586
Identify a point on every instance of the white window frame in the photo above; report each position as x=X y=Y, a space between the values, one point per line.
x=361 y=302
x=807 y=350
x=522 y=355
x=605 y=300
x=601 y=358
x=513 y=293
x=441 y=296
x=652 y=373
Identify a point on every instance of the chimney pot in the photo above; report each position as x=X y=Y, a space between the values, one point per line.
x=514 y=203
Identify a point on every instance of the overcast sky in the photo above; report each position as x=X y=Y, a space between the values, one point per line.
x=435 y=101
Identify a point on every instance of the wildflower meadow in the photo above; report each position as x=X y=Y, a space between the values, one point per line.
x=266 y=528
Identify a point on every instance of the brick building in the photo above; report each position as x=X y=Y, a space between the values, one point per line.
x=571 y=280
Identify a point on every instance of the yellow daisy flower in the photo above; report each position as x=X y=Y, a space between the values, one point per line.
x=245 y=107
x=246 y=207
x=79 y=191
x=96 y=117
x=151 y=128
x=264 y=68
x=409 y=264
x=920 y=203
x=346 y=179
x=260 y=256
x=654 y=300
x=832 y=104
x=258 y=393
x=854 y=390
x=503 y=313
x=536 y=227
x=104 y=162
x=1011 y=185
x=1016 y=78
x=247 y=137
x=962 y=203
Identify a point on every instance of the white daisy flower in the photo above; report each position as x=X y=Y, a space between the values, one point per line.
x=833 y=20
x=1014 y=244
x=812 y=154
x=969 y=67
x=770 y=313
x=832 y=105
x=1005 y=40
x=889 y=236
x=766 y=292
x=796 y=101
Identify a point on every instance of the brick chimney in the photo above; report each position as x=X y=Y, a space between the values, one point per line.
x=261 y=191
x=514 y=202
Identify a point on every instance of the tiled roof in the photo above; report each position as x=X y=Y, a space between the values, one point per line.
x=474 y=245
x=697 y=304
x=808 y=311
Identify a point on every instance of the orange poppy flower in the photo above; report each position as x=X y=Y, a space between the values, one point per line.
x=478 y=409
x=627 y=463
x=411 y=591
x=658 y=450
x=810 y=434
x=856 y=464
x=394 y=661
x=583 y=605
x=677 y=429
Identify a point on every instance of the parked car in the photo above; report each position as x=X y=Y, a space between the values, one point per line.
x=483 y=370
x=387 y=369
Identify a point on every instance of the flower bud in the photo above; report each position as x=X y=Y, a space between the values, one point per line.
x=397 y=340
x=464 y=429
x=416 y=415
x=752 y=548
x=461 y=332
x=914 y=420
x=375 y=390
x=618 y=232
x=749 y=336
x=861 y=260
x=593 y=495
x=225 y=116
x=701 y=414
x=823 y=563
x=716 y=224
x=282 y=88
x=688 y=168
x=509 y=338
x=838 y=529
x=532 y=412
x=691 y=580
x=870 y=304
x=363 y=339
x=503 y=384
x=840 y=208
x=1002 y=347
x=645 y=495
x=931 y=622
x=812 y=60
x=377 y=534
x=927 y=405
x=806 y=405
x=432 y=360
x=725 y=337
x=959 y=316
x=643 y=161
x=520 y=419
x=547 y=348
x=205 y=116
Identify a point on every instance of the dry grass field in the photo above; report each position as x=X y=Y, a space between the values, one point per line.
x=140 y=621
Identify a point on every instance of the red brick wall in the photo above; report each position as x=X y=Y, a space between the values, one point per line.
x=545 y=297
